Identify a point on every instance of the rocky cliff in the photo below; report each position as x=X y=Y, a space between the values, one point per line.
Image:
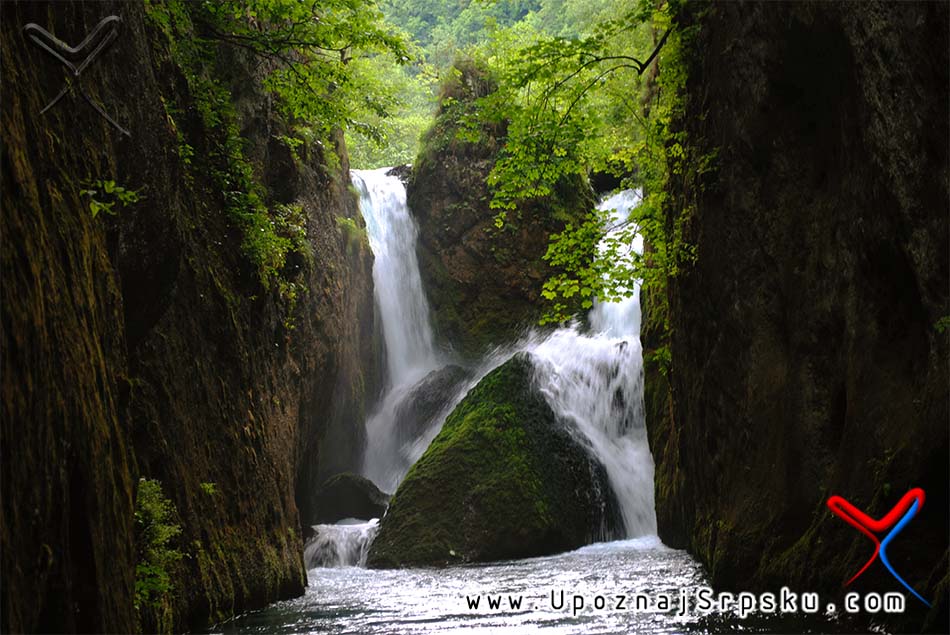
x=807 y=357
x=483 y=284
x=156 y=339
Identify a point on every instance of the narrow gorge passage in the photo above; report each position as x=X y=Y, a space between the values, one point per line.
x=592 y=377
x=648 y=330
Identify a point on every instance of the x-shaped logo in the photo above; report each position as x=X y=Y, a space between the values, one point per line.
x=101 y=37
x=905 y=509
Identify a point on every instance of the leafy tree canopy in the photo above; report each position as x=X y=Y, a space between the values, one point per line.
x=318 y=54
x=581 y=98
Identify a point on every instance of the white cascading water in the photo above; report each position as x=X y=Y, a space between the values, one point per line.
x=596 y=381
x=621 y=318
x=410 y=355
x=344 y=544
x=392 y=232
x=407 y=333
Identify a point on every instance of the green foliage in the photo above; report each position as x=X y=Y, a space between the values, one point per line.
x=444 y=28
x=663 y=357
x=581 y=86
x=315 y=51
x=396 y=132
x=106 y=196
x=270 y=233
x=943 y=324
x=209 y=488
x=595 y=101
x=353 y=232
x=293 y=144
x=155 y=529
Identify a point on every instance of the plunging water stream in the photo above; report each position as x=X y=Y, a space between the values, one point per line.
x=397 y=285
x=404 y=312
x=593 y=380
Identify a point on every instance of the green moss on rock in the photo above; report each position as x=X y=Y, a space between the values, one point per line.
x=503 y=479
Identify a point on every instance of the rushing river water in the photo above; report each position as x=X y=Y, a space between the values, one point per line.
x=419 y=601
x=356 y=600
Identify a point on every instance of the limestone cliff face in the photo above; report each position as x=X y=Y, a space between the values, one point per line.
x=806 y=360
x=144 y=344
x=483 y=284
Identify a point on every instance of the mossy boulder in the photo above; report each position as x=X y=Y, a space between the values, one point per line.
x=503 y=479
x=483 y=284
x=349 y=495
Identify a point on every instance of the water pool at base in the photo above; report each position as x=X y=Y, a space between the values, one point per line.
x=355 y=600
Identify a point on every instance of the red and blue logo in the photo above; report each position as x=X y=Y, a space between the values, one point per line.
x=895 y=521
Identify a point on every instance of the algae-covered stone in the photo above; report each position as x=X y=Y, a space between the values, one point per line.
x=503 y=479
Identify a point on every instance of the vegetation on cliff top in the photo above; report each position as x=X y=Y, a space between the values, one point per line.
x=581 y=88
x=483 y=284
x=595 y=103
x=312 y=57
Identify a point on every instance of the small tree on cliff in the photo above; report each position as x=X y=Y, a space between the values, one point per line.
x=593 y=103
x=316 y=54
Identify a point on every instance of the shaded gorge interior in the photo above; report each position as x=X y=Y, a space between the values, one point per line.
x=526 y=316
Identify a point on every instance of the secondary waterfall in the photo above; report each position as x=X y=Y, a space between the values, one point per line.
x=621 y=318
x=396 y=282
x=404 y=312
x=343 y=544
x=596 y=381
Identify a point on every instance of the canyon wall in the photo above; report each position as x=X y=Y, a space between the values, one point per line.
x=144 y=342
x=808 y=354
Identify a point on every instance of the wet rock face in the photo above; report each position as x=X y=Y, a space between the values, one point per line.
x=503 y=479
x=483 y=285
x=349 y=495
x=143 y=344
x=806 y=361
x=427 y=400
x=402 y=172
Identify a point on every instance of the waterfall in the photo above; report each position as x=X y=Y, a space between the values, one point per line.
x=404 y=312
x=344 y=544
x=596 y=382
x=621 y=318
x=593 y=380
x=397 y=285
